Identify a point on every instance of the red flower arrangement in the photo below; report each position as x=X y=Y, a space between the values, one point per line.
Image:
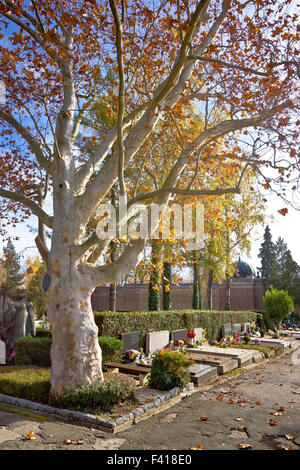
x=191 y=334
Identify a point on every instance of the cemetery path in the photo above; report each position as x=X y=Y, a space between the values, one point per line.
x=237 y=412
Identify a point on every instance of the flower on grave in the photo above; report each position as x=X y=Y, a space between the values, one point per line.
x=161 y=352
x=131 y=354
x=180 y=343
x=191 y=334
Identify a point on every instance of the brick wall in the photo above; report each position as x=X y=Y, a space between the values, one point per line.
x=246 y=294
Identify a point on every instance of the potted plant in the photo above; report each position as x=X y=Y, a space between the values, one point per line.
x=246 y=337
x=262 y=333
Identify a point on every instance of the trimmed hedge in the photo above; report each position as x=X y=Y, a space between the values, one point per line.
x=41 y=333
x=33 y=351
x=31 y=383
x=115 y=323
x=36 y=351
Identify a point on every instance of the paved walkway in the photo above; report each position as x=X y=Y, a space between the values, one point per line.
x=233 y=413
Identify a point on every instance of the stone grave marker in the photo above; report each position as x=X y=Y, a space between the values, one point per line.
x=222 y=363
x=2 y=353
x=177 y=335
x=227 y=330
x=204 y=373
x=156 y=340
x=198 y=333
x=131 y=340
x=246 y=327
x=243 y=356
x=236 y=328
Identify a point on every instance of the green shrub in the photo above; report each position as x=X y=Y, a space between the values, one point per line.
x=114 y=323
x=33 y=351
x=36 y=351
x=40 y=332
x=279 y=304
x=169 y=370
x=112 y=349
x=100 y=395
x=31 y=383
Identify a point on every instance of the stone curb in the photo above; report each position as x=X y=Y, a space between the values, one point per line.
x=91 y=420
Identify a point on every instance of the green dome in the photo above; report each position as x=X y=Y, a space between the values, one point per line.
x=243 y=269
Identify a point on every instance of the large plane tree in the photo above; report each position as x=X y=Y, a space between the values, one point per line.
x=140 y=62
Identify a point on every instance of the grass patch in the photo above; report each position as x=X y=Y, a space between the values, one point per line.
x=114 y=396
x=234 y=372
x=24 y=413
x=32 y=383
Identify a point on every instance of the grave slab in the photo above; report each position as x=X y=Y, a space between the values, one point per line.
x=243 y=356
x=178 y=335
x=2 y=353
x=204 y=374
x=131 y=340
x=271 y=343
x=223 y=364
x=157 y=340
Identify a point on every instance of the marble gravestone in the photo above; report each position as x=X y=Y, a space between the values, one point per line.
x=178 y=335
x=199 y=334
x=246 y=327
x=156 y=340
x=131 y=340
x=227 y=330
x=2 y=353
x=236 y=328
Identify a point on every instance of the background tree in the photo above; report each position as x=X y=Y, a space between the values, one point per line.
x=268 y=258
x=32 y=268
x=279 y=304
x=35 y=292
x=13 y=285
x=237 y=57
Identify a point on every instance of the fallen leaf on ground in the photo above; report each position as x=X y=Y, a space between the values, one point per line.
x=231 y=402
x=276 y=413
x=273 y=422
x=244 y=446
x=203 y=418
x=242 y=428
x=220 y=397
x=282 y=408
x=257 y=402
x=289 y=437
x=30 y=436
x=199 y=447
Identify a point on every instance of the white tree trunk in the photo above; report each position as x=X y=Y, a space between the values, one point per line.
x=76 y=357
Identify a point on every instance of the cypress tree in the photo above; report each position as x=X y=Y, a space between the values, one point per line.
x=267 y=256
x=154 y=282
x=167 y=292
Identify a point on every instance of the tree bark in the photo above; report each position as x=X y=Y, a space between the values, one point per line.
x=227 y=292
x=76 y=357
x=209 y=289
